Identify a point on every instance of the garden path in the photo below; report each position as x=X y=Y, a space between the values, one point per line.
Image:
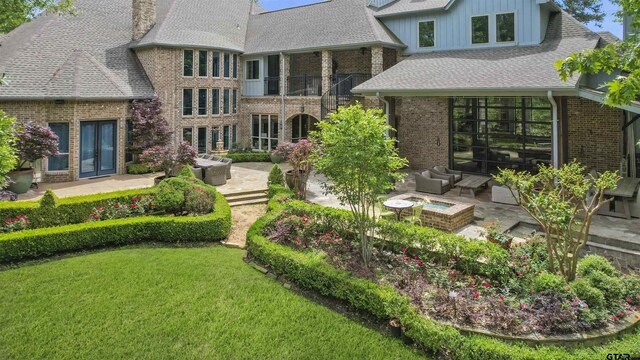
x=242 y=218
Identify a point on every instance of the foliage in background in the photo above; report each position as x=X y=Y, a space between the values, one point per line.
x=138 y=169
x=168 y=158
x=564 y=202
x=150 y=128
x=360 y=161
x=248 y=157
x=276 y=177
x=34 y=142
x=14 y=13
x=622 y=57
x=299 y=157
x=8 y=158
x=585 y=11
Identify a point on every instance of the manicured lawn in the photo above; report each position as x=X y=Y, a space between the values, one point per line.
x=171 y=303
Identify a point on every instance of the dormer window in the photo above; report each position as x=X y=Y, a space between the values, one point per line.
x=506 y=27
x=427 y=34
x=480 y=29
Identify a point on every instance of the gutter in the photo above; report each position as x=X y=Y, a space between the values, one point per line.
x=556 y=152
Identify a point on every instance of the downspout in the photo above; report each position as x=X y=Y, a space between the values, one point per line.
x=282 y=88
x=556 y=152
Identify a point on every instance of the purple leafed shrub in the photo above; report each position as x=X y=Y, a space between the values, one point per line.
x=34 y=142
x=150 y=128
x=167 y=158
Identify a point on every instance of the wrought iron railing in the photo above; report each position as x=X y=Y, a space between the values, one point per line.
x=340 y=92
x=304 y=85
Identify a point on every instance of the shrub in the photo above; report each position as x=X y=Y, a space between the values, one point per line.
x=612 y=287
x=186 y=173
x=546 y=282
x=138 y=169
x=276 y=177
x=249 y=157
x=179 y=196
x=138 y=206
x=589 y=294
x=200 y=200
x=49 y=199
x=591 y=263
x=632 y=289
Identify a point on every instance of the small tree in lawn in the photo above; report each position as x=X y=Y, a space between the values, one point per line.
x=150 y=128
x=168 y=158
x=360 y=161
x=563 y=201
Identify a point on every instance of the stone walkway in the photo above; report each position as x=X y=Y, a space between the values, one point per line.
x=242 y=219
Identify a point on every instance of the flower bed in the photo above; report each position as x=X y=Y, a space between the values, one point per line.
x=391 y=289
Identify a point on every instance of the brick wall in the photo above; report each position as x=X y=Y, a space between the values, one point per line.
x=352 y=61
x=594 y=134
x=306 y=64
x=423 y=130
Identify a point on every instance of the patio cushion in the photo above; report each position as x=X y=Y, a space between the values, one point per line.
x=427 y=174
x=440 y=169
x=457 y=177
x=445 y=182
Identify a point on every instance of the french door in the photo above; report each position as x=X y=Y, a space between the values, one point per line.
x=98 y=148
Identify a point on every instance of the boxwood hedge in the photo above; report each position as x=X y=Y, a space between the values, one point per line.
x=310 y=271
x=249 y=157
x=42 y=242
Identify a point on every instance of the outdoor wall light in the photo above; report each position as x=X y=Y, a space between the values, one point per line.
x=363 y=50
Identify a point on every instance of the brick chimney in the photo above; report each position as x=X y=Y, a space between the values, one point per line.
x=144 y=17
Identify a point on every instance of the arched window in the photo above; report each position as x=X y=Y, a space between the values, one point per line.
x=300 y=127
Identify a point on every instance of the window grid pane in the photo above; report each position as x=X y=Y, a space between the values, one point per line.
x=505 y=27
x=215 y=101
x=426 y=34
x=234 y=104
x=202 y=140
x=60 y=162
x=215 y=64
x=235 y=66
x=227 y=66
x=226 y=101
x=480 y=30
x=188 y=63
x=202 y=101
x=187 y=102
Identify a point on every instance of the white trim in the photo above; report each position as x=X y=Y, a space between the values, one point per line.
x=488 y=16
x=515 y=28
x=434 y=34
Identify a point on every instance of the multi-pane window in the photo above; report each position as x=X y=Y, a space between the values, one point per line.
x=187 y=102
x=234 y=101
x=299 y=128
x=202 y=140
x=264 y=132
x=227 y=65
x=226 y=104
x=225 y=137
x=501 y=132
x=215 y=101
x=202 y=101
x=506 y=27
x=480 y=29
x=203 y=63
x=128 y=154
x=426 y=34
x=215 y=62
x=235 y=66
x=187 y=63
x=60 y=162
x=253 y=70
x=187 y=135
x=234 y=135
x=215 y=137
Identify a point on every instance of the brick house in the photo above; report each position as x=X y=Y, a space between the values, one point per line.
x=469 y=84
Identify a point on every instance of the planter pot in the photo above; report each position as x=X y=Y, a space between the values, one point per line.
x=22 y=181
x=396 y=329
x=276 y=159
x=288 y=176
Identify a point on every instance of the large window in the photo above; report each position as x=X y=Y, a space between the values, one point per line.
x=202 y=140
x=187 y=135
x=234 y=135
x=253 y=70
x=227 y=65
x=60 y=162
x=215 y=137
x=480 y=29
x=235 y=66
x=128 y=154
x=225 y=137
x=506 y=133
x=264 y=132
x=202 y=101
x=426 y=34
x=234 y=101
x=203 y=63
x=188 y=63
x=187 y=102
x=506 y=27
x=300 y=128
x=215 y=61
x=226 y=102
x=215 y=101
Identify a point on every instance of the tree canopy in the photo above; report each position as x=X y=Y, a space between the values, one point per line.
x=585 y=11
x=14 y=13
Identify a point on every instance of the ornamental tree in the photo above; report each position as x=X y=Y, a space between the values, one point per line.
x=34 y=142
x=150 y=128
x=299 y=157
x=563 y=201
x=168 y=158
x=360 y=162
x=8 y=158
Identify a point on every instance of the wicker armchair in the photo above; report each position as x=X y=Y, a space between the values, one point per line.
x=226 y=161
x=432 y=183
x=215 y=175
x=445 y=171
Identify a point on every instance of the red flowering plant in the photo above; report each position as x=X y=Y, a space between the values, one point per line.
x=138 y=206
x=15 y=224
x=298 y=231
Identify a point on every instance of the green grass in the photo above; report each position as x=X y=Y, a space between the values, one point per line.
x=171 y=303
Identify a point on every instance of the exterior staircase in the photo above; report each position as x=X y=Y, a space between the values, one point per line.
x=251 y=197
x=340 y=95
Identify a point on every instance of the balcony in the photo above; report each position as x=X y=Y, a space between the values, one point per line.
x=272 y=86
x=304 y=85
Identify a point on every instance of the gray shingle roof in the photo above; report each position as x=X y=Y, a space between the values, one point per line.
x=411 y=6
x=608 y=37
x=74 y=57
x=218 y=24
x=491 y=69
x=336 y=23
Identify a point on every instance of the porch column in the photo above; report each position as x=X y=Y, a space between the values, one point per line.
x=327 y=70
x=377 y=60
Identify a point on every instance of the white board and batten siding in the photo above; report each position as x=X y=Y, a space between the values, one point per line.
x=453 y=27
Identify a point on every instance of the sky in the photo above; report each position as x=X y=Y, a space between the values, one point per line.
x=607 y=25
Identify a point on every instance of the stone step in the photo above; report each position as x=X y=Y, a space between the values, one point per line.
x=241 y=198
x=622 y=257
x=627 y=244
x=249 y=202
x=247 y=192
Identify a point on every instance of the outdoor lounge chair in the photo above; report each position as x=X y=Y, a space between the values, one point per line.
x=445 y=171
x=428 y=182
x=216 y=174
x=226 y=161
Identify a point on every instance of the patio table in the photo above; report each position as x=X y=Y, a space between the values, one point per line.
x=398 y=206
x=626 y=191
x=206 y=162
x=472 y=183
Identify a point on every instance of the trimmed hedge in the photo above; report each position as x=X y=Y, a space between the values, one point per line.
x=310 y=271
x=249 y=157
x=138 y=169
x=72 y=210
x=38 y=243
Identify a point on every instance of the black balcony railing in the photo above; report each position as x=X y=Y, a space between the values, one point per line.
x=304 y=85
x=272 y=85
x=340 y=92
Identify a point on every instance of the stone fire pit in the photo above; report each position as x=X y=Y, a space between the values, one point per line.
x=443 y=214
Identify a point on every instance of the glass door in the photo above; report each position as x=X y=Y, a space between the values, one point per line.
x=98 y=148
